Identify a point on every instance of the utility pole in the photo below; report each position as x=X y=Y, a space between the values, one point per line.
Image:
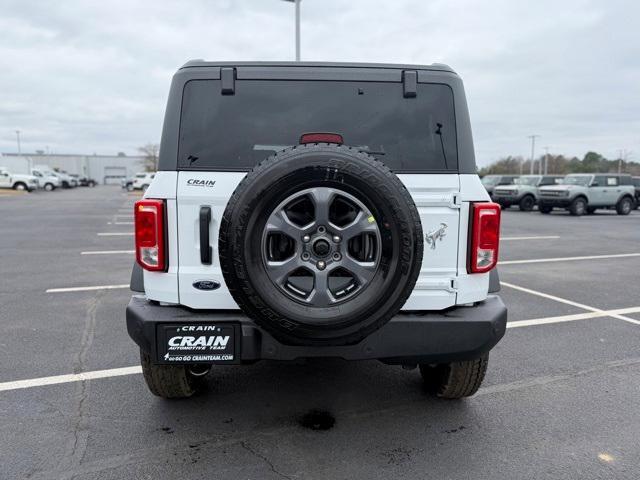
x=533 y=149
x=20 y=152
x=546 y=159
x=297 y=3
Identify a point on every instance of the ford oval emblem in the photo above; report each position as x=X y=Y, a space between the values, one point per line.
x=206 y=285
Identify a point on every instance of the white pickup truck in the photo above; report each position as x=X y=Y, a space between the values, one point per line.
x=46 y=179
x=17 y=181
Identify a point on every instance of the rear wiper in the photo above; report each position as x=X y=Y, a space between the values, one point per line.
x=444 y=155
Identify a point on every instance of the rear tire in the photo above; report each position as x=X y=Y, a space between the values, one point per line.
x=527 y=203
x=20 y=186
x=545 y=209
x=48 y=187
x=171 y=381
x=456 y=379
x=578 y=207
x=624 y=206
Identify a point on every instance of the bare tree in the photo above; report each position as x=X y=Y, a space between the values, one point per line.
x=150 y=153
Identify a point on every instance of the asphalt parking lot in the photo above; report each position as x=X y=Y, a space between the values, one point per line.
x=560 y=400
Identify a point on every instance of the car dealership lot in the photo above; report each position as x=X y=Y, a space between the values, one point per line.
x=559 y=400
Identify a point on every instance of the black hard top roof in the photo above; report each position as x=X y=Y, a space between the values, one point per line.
x=440 y=67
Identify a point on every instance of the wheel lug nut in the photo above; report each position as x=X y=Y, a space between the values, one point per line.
x=321 y=229
x=337 y=256
x=336 y=239
x=306 y=256
x=321 y=265
x=306 y=239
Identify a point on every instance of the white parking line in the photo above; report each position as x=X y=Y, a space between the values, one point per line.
x=546 y=237
x=74 y=377
x=107 y=252
x=115 y=234
x=87 y=289
x=568 y=259
x=571 y=318
x=569 y=302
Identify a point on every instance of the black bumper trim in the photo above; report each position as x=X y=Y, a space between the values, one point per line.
x=555 y=202
x=460 y=333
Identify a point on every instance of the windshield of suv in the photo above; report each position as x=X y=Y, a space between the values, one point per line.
x=533 y=181
x=582 y=180
x=235 y=132
x=490 y=181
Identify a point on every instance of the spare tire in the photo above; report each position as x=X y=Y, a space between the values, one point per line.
x=320 y=244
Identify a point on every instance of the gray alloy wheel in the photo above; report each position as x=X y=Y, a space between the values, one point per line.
x=311 y=262
x=48 y=187
x=20 y=186
x=527 y=203
x=624 y=206
x=320 y=244
x=578 y=207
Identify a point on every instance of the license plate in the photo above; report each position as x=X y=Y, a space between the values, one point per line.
x=188 y=343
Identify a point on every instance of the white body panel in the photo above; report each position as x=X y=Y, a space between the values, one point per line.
x=437 y=198
x=190 y=199
x=441 y=200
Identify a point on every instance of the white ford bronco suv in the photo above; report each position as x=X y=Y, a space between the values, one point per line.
x=316 y=210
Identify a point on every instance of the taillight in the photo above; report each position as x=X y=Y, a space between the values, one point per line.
x=150 y=244
x=485 y=237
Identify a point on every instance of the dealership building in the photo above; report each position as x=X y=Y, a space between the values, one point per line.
x=104 y=169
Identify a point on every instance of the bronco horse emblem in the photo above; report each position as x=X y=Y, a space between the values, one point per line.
x=438 y=234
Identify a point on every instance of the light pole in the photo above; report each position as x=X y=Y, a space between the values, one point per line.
x=297 y=2
x=533 y=149
x=20 y=152
x=546 y=159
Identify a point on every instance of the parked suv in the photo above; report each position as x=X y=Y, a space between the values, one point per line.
x=490 y=182
x=17 y=181
x=524 y=191
x=143 y=180
x=582 y=193
x=316 y=210
x=636 y=185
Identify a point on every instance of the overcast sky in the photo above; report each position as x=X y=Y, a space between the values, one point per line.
x=93 y=76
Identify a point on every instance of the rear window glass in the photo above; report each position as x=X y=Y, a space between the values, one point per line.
x=235 y=132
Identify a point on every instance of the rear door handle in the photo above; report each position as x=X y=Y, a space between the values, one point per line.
x=206 y=251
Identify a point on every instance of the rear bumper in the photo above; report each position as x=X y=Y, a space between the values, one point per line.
x=460 y=333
